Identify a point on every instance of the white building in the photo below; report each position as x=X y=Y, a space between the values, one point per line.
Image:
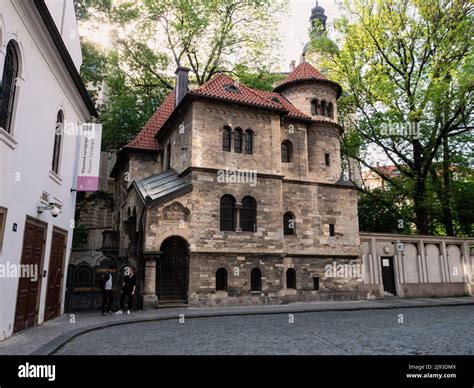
x=40 y=57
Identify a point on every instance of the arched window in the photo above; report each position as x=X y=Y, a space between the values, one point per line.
x=248 y=215
x=58 y=135
x=168 y=156
x=330 y=110
x=249 y=141
x=323 y=108
x=291 y=279
x=238 y=140
x=314 y=107
x=256 y=280
x=227 y=212
x=288 y=224
x=226 y=133
x=221 y=279
x=8 y=87
x=286 y=152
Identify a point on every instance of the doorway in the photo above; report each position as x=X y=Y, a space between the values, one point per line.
x=173 y=271
x=388 y=275
x=28 y=290
x=56 y=274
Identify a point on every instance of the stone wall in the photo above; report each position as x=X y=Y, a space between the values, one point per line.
x=203 y=267
x=424 y=266
x=209 y=118
x=301 y=95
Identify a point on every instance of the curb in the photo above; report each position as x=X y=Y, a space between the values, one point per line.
x=56 y=343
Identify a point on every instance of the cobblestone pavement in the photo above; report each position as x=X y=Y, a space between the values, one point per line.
x=413 y=331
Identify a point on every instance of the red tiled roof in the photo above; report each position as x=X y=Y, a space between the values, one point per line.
x=218 y=88
x=146 y=137
x=306 y=72
x=303 y=72
x=292 y=110
x=223 y=87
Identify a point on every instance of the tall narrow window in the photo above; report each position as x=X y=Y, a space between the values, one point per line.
x=238 y=140
x=314 y=107
x=323 y=108
x=331 y=110
x=291 y=279
x=168 y=156
x=316 y=283
x=249 y=141
x=8 y=87
x=221 y=279
x=58 y=135
x=288 y=224
x=256 y=280
x=286 y=152
x=3 y=217
x=332 y=230
x=248 y=215
x=327 y=159
x=226 y=133
x=227 y=212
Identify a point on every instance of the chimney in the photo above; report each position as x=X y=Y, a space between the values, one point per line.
x=181 y=83
x=292 y=66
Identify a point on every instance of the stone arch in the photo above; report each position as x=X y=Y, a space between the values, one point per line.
x=410 y=266
x=172 y=272
x=433 y=263
x=455 y=266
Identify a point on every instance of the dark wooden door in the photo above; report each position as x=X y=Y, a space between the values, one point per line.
x=56 y=274
x=388 y=275
x=173 y=270
x=28 y=289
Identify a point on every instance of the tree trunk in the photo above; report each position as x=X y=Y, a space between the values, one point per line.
x=421 y=212
x=446 y=197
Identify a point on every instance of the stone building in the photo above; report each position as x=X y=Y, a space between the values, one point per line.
x=231 y=195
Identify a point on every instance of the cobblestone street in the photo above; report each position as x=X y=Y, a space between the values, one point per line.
x=424 y=331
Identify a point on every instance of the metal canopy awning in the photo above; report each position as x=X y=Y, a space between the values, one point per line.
x=162 y=187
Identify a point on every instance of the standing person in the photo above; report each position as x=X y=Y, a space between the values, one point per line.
x=128 y=289
x=106 y=283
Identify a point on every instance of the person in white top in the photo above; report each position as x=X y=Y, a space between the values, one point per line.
x=106 y=283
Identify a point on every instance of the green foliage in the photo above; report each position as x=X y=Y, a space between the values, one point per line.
x=130 y=104
x=379 y=212
x=93 y=67
x=263 y=78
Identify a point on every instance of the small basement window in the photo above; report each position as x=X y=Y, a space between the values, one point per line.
x=316 y=283
x=327 y=159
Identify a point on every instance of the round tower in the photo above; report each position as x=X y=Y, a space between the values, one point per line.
x=316 y=96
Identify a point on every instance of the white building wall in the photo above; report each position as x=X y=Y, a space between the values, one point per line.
x=64 y=17
x=25 y=156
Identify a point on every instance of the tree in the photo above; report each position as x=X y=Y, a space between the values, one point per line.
x=407 y=63
x=379 y=212
x=152 y=38
x=208 y=36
